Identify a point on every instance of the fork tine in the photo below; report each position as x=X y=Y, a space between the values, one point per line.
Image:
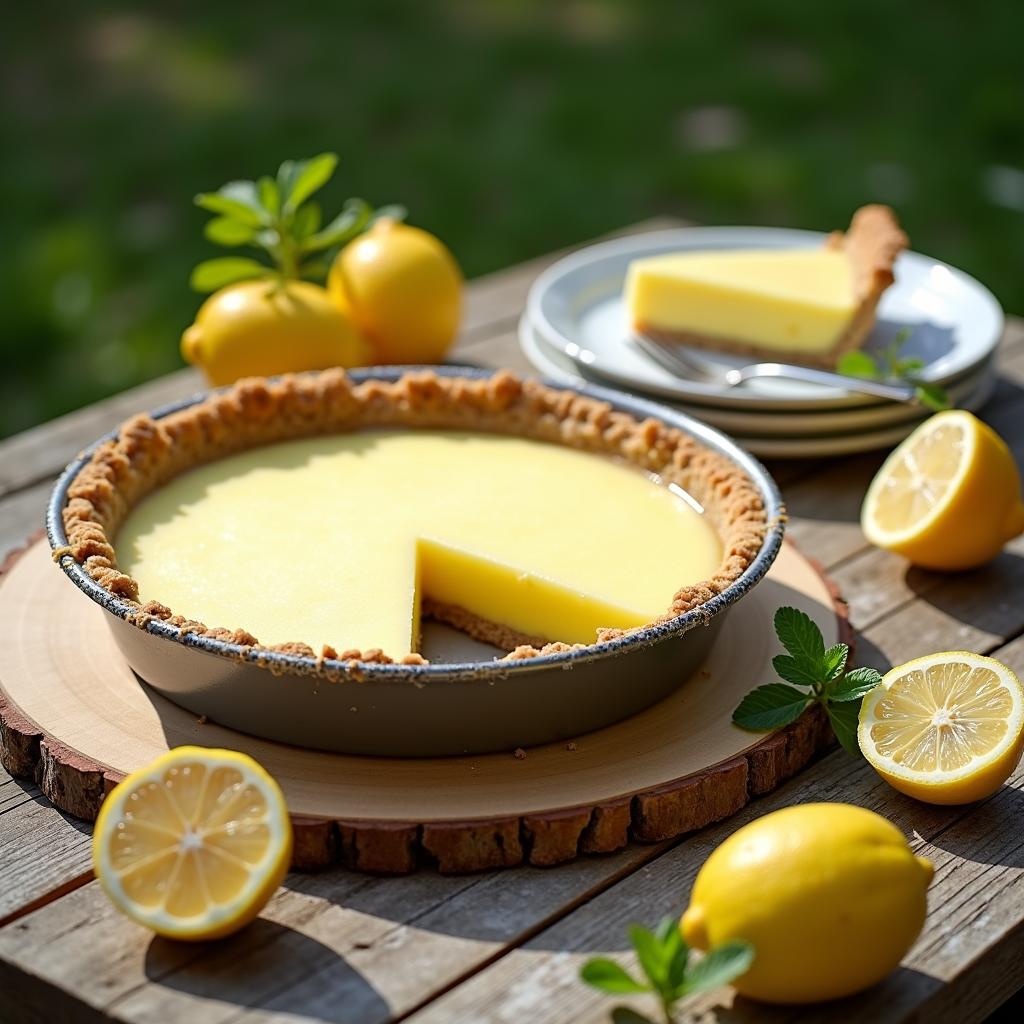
x=671 y=358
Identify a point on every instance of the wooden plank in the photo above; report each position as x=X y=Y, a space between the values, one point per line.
x=41 y=850
x=974 y=921
x=370 y=948
x=22 y=513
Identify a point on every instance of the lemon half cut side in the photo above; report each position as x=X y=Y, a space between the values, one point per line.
x=195 y=844
x=946 y=729
x=949 y=497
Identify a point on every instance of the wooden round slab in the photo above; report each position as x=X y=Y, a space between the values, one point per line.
x=74 y=717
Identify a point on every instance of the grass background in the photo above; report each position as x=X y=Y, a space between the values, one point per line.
x=508 y=127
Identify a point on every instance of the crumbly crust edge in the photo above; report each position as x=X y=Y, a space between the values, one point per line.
x=872 y=242
x=147 y=453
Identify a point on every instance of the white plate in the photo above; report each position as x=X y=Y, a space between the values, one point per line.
x=757 y=436
x=772 y=422
x=955 y=321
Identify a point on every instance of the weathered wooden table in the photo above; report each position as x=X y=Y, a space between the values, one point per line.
x=340 y=947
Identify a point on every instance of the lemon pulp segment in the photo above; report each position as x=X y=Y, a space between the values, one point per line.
x=918 y=481
x=324 y=540
x=798 y=300
x=193 y=845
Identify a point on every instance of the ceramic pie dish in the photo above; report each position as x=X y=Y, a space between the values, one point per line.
x=357 y=699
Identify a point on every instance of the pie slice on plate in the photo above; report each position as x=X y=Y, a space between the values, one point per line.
x=791 y=305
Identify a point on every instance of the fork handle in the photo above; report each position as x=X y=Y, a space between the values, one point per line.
x=861 y=385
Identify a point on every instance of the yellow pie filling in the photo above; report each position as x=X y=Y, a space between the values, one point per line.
x=339 y=539
x=799 y=300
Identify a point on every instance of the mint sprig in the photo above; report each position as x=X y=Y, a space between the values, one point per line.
x=664 y=959
x=277 y=216
x=891 y=365
x=812 y=674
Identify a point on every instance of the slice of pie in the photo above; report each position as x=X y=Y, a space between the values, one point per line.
x=791 y=305
x=316 y=516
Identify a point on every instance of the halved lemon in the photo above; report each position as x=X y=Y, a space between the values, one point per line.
x=194 y=845
x=946 y=729
x=949 y=497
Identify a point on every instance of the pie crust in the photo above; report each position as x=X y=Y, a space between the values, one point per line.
x=147 y=453
x=872 y=242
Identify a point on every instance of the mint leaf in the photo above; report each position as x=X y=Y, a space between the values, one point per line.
x=608 y=976
x=210 y=275
x=720 y=966
x=306 y=177
x=800 y=636
x=855 y=684
x=931 y=396
x=907 y=366
x=770 y=707
x=834 y=662
x=667 y=930
x=794 y=671
x=229 y=231
x=649 y=952
x=676 y=975
x=857 y=364
x=844 y=717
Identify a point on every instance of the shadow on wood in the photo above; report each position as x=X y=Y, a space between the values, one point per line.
x=259 y=968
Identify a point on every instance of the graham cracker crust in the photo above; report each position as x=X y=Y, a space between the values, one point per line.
x=147 y=453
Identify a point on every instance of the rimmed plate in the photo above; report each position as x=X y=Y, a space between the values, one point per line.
x=774 y=422
x=955 y=321
x=807 y=438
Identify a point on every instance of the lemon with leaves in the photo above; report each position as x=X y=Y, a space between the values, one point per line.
x=403 y=289
x=266 y=316
x=830 y=896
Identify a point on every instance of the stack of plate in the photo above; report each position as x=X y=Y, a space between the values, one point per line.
x=575 y=328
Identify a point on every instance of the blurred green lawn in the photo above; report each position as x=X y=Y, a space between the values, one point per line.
x=508 y=128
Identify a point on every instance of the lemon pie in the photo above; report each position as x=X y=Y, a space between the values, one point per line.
x=796 y=305
x=317 y=516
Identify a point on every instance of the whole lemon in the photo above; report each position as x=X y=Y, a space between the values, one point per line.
x=403 y=289
x=262 y=328
x=830 y=896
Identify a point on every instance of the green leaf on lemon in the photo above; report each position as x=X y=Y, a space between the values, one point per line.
x=269 y=195
x=229 y=231
x=306 y=177
x=227 y=206
x=352 y=219
x=210 y=275
x=276 y=215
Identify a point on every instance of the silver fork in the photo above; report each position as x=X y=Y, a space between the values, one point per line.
x=684 y=364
